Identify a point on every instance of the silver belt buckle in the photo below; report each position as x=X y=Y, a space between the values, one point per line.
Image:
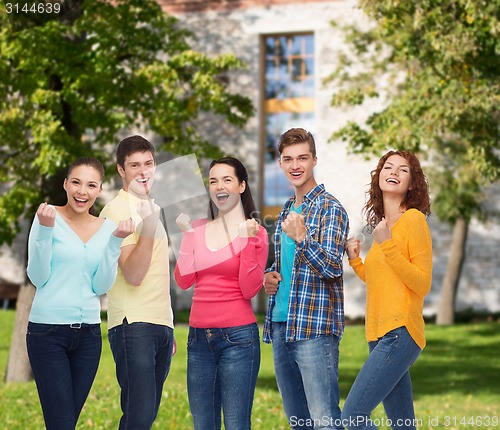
x=75 y=325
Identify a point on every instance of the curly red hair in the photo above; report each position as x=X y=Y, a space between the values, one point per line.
x=417 y=196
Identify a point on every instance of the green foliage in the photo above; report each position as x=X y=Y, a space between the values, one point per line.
x=435 y=65
x=452 y=378
x=68 y=86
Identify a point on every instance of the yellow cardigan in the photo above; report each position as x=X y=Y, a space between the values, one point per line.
x=398 y=275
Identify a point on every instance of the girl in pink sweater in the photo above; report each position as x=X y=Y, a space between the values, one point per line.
x=398 y=275
x=224 y=257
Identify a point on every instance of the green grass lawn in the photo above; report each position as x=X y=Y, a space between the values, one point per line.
x=456 y=383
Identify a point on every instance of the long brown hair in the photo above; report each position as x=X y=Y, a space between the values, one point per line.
x=417 y=196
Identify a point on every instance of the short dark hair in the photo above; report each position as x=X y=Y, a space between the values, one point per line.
x=296 y=136
x=131 y=145
x=246 y=197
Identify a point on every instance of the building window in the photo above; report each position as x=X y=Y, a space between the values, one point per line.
x=288 y=101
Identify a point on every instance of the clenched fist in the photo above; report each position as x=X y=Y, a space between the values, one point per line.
x=271 y=282
x=184 y=222
x=352 y=248
x=248 y=228
x=125 y=228
x=46 y=215
x=149 y=211
x=294 y=227
x=382 y=232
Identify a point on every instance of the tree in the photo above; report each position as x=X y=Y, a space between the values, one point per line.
x=67 y=87
x=436 y=67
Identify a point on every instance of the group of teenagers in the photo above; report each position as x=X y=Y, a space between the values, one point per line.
x=75 y=256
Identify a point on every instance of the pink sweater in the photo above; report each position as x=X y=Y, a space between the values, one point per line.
x=225 y=280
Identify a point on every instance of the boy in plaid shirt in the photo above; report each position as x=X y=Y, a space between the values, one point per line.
x=305 y=315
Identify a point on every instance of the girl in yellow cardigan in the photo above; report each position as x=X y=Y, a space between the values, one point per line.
x=397 y=271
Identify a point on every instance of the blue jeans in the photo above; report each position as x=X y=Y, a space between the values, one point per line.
x=222 y=369
x=142 y=354
x=307 y=377
x=385 y=377
x=64 y=361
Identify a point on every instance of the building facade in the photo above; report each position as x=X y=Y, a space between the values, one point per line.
x=289 y=48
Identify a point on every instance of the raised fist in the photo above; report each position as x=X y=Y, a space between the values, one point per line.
x=294 y=226
x=184 y=222
x=149 y=211
x=352 y=248
x=46 y=215
x=248 y=228
x=125 y=228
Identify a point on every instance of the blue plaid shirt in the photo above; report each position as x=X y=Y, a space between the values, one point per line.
x=316 y=304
